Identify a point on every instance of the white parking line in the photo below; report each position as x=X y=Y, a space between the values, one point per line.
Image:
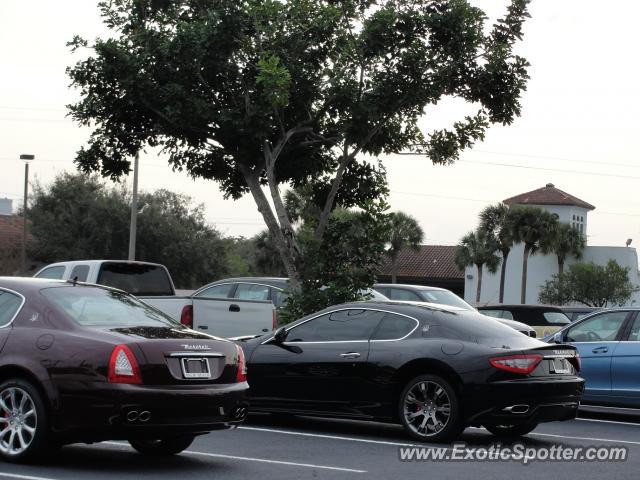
x=617 y=422
x=259 y=460
x=22 y=477
x=330 y=437
x=590 y=439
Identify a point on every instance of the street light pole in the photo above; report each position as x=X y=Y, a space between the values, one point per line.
x=23 y=253
x=134 y=211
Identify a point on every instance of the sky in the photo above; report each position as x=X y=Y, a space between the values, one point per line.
x=578 y=127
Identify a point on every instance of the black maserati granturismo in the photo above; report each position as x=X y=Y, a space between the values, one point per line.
x=431 y=368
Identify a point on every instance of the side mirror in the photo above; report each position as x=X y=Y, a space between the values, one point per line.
x=557 y=337
x=280 y=335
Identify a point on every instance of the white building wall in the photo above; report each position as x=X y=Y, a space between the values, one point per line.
x=541 y=268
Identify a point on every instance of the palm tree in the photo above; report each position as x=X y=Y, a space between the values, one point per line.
x=497 y=220
x=566 y=241
x=405 y=231
x=534 y=227
x=479 y=249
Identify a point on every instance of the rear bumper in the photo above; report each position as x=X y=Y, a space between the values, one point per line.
x=525 y=400
x=115 y=411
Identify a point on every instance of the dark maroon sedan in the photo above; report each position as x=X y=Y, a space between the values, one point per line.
x=83 y=363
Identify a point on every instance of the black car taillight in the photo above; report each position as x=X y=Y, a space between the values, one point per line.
x=186 y=317
x=123 y=366
x=524 y=364
x=241 y=375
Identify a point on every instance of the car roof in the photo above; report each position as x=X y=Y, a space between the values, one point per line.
x=95 y=262
x=399 y=304
x=29 y=285
x=277 y=282
x=406 y=285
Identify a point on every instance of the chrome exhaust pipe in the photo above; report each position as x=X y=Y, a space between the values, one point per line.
x=519 y=409
x=145 y=416
x=132 y=416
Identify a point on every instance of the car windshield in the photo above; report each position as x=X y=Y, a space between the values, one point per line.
x=444 y=297
x=100 y=307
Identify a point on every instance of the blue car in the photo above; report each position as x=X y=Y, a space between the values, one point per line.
x=609 y=345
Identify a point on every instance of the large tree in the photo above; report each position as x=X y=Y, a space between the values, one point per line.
x=589 y=284
x=257 y=94
x=405 y=232
x=533 y=227
x=497 y=220
x=565 y=241
x=477 y=249
x=79 y=218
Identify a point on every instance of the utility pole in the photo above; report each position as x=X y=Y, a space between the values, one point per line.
x=23 y=253
x=134 y=211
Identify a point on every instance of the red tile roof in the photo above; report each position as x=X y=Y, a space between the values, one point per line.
x=548 y=195
x=429 y=261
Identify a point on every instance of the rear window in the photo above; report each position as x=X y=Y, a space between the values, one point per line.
x=99 y=307
x=136 y=278
x=55 y=273
x=443 y=297
x=556 y=318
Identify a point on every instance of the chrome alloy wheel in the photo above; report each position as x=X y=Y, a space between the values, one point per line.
x=427 y=408
x=18 y=420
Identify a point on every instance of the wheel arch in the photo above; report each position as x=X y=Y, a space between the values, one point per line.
x=17 y=371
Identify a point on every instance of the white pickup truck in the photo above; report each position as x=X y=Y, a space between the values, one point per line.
x=151 y=282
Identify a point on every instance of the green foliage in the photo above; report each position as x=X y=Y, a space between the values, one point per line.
x=344 y=263
x=479 y=249
x=565 y=241
x=532 y=226
x=589 y=284
x=251 y=93
x=405 y=232
x=80 y=218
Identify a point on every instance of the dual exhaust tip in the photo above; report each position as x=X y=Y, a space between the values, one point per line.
x=519 y=409
x=135 y=416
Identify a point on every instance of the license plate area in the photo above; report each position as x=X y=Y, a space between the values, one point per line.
x=195 y=367
x=559 y=365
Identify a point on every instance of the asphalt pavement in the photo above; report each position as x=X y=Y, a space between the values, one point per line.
x=268 y=448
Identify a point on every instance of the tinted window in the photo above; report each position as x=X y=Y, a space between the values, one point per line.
x=139 y=279
x=394 y=327
x=344 y=325
x=92 y=306
x=9 y=305
x=603 y=327
x=634 y=335
x=251 y=291
x=444 y=297
x=556 y=318
x=400 y=294
x=217 y=291
x=55 y=273
x=81 y=272
x=279 y=297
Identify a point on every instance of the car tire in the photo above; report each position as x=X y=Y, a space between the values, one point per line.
x=508 y=431
x=23 y=418
x=429 y=409
x=162 y=447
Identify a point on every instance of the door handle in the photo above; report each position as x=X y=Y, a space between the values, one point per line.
x=600 y=350
x=234 y=308
x=203 y=327
x=350 y=355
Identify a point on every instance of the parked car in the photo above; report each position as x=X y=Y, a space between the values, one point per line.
x=434 y=369
x=439 y=296
x=576 y=313
x=84 y=363
x=247 y=313
x=544 y=319
x=609 y=345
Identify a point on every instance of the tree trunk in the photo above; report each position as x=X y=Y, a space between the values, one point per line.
x=328 y=205
x=479 y=289
x=503 y=274
x=560 y=265
x=285 y=249
x=525 y=264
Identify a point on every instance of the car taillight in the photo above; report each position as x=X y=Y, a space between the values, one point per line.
x=123 y=366
x=576 y=362
x=186 y=317
x=524 y=364
x=241 y=375
x=274 y=322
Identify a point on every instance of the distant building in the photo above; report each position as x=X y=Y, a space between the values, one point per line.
x=10 y=238
x=541 y=268
x=431 y=265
